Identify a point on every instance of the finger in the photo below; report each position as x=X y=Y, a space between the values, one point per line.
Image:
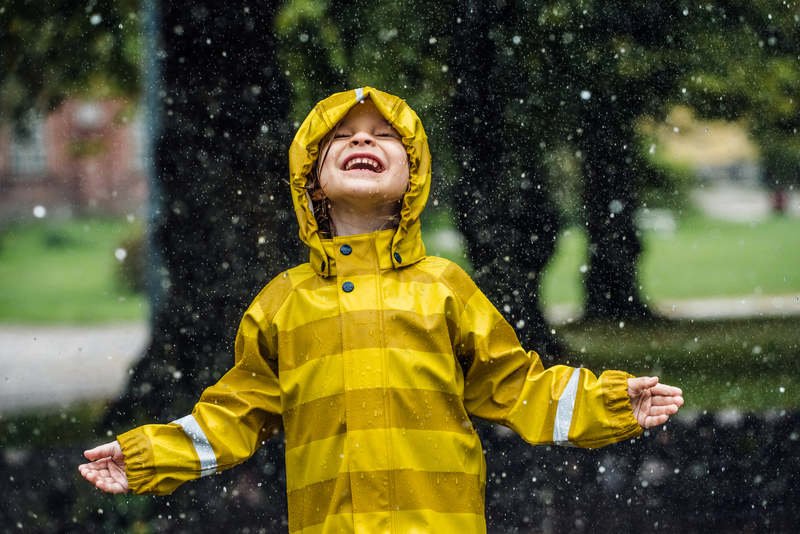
x=661 y=400
x=669 y=409
x=101 y=451
x=664 y=389
x=655 y=420
x=638 y=384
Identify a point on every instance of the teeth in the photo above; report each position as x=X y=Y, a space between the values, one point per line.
x=362 y=161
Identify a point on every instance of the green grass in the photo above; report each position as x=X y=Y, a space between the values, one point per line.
x=749 y=364
x=43 y=428
x=65 y=272
x=703 y=258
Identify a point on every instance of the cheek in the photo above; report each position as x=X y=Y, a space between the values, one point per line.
x=325 y=174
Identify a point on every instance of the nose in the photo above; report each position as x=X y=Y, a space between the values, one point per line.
x=362 y=137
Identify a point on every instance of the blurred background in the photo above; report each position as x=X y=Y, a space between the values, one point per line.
x=621 y=178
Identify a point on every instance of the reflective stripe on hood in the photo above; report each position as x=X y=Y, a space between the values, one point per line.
x=406 y=247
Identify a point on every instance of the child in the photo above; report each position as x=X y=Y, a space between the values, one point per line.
x=374 y=356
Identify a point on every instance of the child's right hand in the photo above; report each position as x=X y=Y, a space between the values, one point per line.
x=106 y=468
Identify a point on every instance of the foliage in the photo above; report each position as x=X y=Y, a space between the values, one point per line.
x=55 y=49
x=754 y=75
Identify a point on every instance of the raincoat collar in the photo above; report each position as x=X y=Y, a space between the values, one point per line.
x=405 y=246
x=364 y=252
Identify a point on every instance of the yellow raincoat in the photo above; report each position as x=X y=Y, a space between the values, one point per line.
x=375 y=356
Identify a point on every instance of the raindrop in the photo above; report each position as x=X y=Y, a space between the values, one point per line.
x=586 y=95
x=39 y=212
x=95 y=20
x=516 y=39
x=583 y=268
x=120 y=254
x=652 y=148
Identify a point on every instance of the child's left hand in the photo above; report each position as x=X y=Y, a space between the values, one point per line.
x=653 y=403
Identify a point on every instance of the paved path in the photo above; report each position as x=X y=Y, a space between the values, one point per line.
x=50 y=366
x=55 y=365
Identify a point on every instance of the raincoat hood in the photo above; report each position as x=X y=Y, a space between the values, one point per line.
x=404 y=244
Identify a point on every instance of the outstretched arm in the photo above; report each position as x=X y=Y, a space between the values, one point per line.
x=106 y=468
x=653 y=403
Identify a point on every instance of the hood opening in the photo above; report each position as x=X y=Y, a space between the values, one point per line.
x=308 y=151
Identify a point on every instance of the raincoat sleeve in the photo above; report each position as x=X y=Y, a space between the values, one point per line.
x=505 y=384
x=227 y=425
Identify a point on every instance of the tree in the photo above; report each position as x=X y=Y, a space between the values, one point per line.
x=56 y=49
x=219 y=202
x=612 y=62
x=499 y=135
x=754 y=77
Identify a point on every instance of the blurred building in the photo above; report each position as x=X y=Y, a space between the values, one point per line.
x=86 y=157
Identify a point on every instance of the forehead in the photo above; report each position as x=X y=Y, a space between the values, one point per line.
x=362 y=113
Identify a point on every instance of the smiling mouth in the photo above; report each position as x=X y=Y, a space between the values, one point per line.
x=363 y=163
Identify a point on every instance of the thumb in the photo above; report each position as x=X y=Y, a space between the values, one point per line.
x=641 y=383
x=101 y=451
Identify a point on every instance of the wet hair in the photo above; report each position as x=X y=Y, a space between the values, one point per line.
x=320 y=205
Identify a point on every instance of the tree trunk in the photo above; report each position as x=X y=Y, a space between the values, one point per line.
x=503 y=209
x=220 y=220
x=609 y=159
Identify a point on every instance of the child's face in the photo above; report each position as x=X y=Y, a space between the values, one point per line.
x=366 y=165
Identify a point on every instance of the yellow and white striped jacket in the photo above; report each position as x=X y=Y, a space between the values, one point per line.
x=375 y=356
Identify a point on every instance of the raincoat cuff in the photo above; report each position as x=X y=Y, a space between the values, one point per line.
x=139 y=462
x=618 y=405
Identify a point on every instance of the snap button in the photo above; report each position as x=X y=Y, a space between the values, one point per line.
x=346 y=249
x=397 y=257
x=348 y=286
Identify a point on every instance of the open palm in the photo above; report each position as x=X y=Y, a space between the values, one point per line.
x=106 y=468
x=653 y=403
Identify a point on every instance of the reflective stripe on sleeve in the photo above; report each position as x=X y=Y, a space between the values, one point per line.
x=208 y=460
x=566 y=406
